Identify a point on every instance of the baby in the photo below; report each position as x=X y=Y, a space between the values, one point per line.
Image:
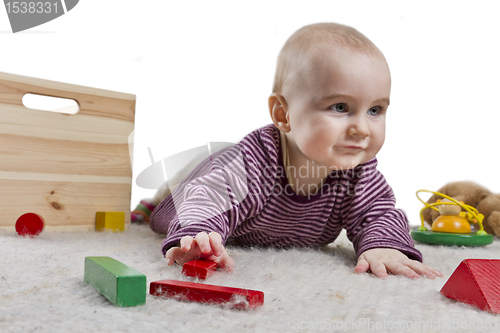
x=307 y=176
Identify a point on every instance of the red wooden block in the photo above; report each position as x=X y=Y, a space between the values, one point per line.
x=199 y=268
x=29 y=224
x=476 y=282
x=207 y=293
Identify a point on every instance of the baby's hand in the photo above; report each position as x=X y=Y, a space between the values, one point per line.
x=382 y=261
x=204 y=246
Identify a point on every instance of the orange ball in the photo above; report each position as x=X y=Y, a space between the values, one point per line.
x=447 y=223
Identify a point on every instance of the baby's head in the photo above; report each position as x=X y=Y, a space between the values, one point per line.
x=330 y=95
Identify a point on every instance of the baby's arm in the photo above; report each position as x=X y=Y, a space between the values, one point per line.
x=382 y=261
x=205 y=246
x=380 y=233
x=214 y=199
x=202 y=203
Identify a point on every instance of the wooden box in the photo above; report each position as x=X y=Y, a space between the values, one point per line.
x=64 y=167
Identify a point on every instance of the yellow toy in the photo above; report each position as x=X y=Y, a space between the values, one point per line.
x=451 y=219
x=452 y=227
x=114 y=221
x=475 y=195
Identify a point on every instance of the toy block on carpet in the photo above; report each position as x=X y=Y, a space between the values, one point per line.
x=207 y=293
x=199 y=268
x=476 y=282
x=114 y=221
x=119 y=283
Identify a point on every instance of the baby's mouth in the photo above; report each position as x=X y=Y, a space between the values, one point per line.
x=352 y=147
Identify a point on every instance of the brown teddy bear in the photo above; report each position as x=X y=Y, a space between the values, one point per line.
x=473 y=195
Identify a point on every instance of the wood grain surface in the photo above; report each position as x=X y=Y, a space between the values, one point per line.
x=64 y=167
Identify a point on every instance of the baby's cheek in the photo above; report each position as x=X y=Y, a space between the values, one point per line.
x=307 y=147
x=318 y=145
x=306 y=144
x=378 y=134
x=379 y=141
x=316 y=136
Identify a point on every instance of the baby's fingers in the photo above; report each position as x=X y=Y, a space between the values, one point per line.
x=398 y=268
x=362 y=266
x=226 y=262
x=216 y=243
x=187 y=243
x=174 y=254
x=424 y=270
x=379 y=269
x=203 y=242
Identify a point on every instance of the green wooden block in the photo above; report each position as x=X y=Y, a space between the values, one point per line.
x=121 y=284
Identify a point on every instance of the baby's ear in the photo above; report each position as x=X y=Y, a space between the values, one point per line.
x=278 y=112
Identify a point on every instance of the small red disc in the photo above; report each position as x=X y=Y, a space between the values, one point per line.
x=29 y=224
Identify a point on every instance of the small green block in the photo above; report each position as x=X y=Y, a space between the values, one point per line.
x=121 y=284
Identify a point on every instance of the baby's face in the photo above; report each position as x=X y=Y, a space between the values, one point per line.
x=337 y=118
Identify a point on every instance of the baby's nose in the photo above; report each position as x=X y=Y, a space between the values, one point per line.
x=359 y=127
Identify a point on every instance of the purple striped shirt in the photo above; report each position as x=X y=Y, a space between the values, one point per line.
x=242 y=193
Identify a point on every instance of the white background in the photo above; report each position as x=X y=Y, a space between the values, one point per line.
x=202 y=71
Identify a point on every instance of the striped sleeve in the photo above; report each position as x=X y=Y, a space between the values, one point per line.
x=372 y=221
x=219 y=194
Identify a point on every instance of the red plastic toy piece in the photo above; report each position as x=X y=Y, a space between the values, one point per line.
x=29 y=224
x=199 y=268
x=475 y=282
x=207 y=293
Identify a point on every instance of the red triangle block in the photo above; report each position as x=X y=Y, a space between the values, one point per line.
x=476 y=282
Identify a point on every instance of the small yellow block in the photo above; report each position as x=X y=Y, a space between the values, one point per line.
x=114 y=221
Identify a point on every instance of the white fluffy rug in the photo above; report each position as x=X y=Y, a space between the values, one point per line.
x=42 y=289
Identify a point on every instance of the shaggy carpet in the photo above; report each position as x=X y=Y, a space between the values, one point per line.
x=306 y=290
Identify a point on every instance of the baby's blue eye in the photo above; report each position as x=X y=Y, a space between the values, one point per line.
x=374 y=111
x=339 y=107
